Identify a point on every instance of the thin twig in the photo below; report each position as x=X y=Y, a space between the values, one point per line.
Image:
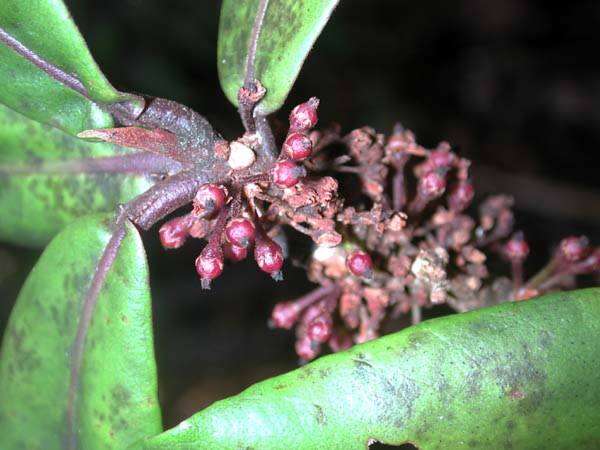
x=55 y=72
x=89 y=305
x=268 y=146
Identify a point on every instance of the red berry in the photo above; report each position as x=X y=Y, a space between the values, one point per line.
x=574 y=248
x=461 y=196
x=516 y=249
x=174 y=232
x=360 y=264
x=240 y=232
x=304 y=116
x=307 y=349
x=285 y=315
x=209 y=264
x=287 y=174
x=432 y=185
x=209 y=199
x=269 y=256
x=320 y=329
x=234 y=253
x=297 y=146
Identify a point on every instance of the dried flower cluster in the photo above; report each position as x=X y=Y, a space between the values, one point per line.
x=406 y=243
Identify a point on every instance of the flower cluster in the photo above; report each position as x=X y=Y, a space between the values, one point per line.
x=408 y=238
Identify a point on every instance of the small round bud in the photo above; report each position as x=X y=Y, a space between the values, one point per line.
x=174 y=232
x=516 y=249
x=209 y=199
x=240 y=156
x=320 y=329
x=234 y=253
x=432 y=185
x=574 y=248
x=307 y=349
x=443 y=158
x=340 y=341
x=284 y=315
x=240 y=232
x=269 y=256
x=297 y=146
x=209 y=264
x=287 y=174
x=304 y=116
x=360 y=264
x=461 y=196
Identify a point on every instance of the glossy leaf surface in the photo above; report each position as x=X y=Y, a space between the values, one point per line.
x=117 y=401
x=44 y=184
x=289 y=31
x=46 y=28
x=519 y=375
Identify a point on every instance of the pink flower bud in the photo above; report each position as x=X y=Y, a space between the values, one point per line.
x=174 y=232
x=240 y=232
x=432 y=185
x=443 y=158
x=461 y=196
x=340 y=341
x=574 y=248
x=209 y=264
x=319 y=330
x=287 y=174
x=304 y=116
x=285 y=315
x=516 y=249
x=307 y=349
x=269 y=256
x=209 y=199
x=234 y=253
x=297 y=146
x=360 y=264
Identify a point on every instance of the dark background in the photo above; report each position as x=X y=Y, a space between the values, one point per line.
x=514 y=84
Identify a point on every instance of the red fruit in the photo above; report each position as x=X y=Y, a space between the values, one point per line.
x=360 y=264
x=304 y=116
x=174 y=232
x=209 y=264
x=307 y=349
x=574 y=248
x=461 y=196
x=234 y=253
x=287 y=174
x=285 y=315
x=240 y=232
x=269 y=256
x=432 y=185
x=516 y=249
x=320 y=329
x=297 y=146
x=209 y=199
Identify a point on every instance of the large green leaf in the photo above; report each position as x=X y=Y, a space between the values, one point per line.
x=289 y=31
x=44 y=183
x=117 y=398
x=46 y=28
x=519 y=375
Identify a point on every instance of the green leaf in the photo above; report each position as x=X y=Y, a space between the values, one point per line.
x=289 y=31
x=46 y=181
x=117 y=400
x=46 y=28
x=519 y=375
